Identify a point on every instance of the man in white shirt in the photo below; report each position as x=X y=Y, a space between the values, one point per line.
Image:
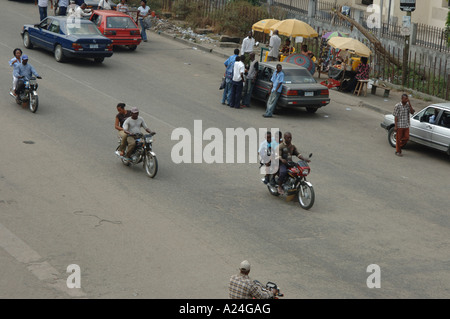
x=78 y=12
x=43 y=4
x=104 y=4
x=237 y=82
x=274 y=46
x=247 y=47
x=131 y=126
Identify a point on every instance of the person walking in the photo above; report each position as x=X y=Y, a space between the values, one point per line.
x=237 y=82
x=275 y=90
x=229 y=67
x=402 y=111
x=250 y=80
x=143 y=12
x=274 y=46
x=43 y=5
x=247 y=47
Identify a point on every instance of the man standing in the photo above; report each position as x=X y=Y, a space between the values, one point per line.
x=402 y=111
x=237 y=82
x=62 y=5
x=274 y=46
x=250 y=81
x=247 y=47
x=275 y=91
x=229 y=66
x=242 y=287
x=43 y=4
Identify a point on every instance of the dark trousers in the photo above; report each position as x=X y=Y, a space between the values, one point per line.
x=62 y=11
x=42 y=13
x=236 y=93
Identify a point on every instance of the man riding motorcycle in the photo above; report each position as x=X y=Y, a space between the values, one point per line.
x=24 y=72
x=132 y=126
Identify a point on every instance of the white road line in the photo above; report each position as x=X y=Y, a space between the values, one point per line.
x=18 y=249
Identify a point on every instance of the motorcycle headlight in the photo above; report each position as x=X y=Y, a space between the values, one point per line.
x=148 y=139
x=306 y=171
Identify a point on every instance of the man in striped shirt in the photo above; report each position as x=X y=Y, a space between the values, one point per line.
x=242 y=287
x=401 y=114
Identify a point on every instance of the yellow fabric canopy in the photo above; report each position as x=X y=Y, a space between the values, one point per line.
x=352 y=45
x=294 y=28
x=264 y=25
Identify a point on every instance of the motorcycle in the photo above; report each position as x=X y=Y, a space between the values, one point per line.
x=269 y=286
x=295 y=184
x=143 y=152
x=28 y=97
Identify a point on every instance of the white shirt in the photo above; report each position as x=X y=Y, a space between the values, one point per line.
x=247 y=45
x=143 y=11
x=43 y=3
x=274 y=45
x=122 y=7
x=104 y=5
x=239 y=68
x=134 y=126
x=63 y=3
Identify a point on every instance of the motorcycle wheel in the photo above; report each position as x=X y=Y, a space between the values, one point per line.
x=306 y=196
x=273 y=191
x=18 y=101
x=150 y=165
x=34 y=103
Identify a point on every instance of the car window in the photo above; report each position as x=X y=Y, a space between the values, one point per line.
x=96 y=19
x=425 y=114
x=82 y=29
x=445 y=119
x=120 y=23
x=298 y=77
x=45 y=23
x=54 y=27
x=265 y=74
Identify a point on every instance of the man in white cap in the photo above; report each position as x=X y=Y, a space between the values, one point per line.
x=242 y=287
x=132 y=126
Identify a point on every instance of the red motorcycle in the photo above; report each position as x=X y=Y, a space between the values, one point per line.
x=295 y=184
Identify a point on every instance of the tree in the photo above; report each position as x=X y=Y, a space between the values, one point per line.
x=447 y=25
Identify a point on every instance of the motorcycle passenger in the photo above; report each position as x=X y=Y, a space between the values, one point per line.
x=120 y=119
x=24 y=72
x=242 y=287
x=267 y=154
x=14 y=62
x=132 y=126
x=284 y=154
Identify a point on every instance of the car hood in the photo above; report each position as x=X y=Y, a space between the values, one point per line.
x=389 y=118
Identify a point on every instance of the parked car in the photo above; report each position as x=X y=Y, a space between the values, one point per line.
x=300 y=89
x=93 y=4
x=57 y=34
x=430 y=127
x=117 y=26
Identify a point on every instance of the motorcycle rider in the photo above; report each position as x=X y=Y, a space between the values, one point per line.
x=24 y=72
x=284 y=154
x=242 y=287
x=132 y=126
x=120 y=119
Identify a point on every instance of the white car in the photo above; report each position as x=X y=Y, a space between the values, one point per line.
x=430 y=127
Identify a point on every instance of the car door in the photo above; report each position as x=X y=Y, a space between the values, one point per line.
x=53 y=34
x=420 y=130
x=263 y=83
x=441 y=133
x=37 y=34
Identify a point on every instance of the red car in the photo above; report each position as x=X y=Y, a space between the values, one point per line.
x=117 y=26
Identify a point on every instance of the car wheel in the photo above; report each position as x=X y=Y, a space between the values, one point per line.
x=132 y=47
x=59 y=54
x=99 y=60
x=311 y=109
x=392 y=137
x=27 y=41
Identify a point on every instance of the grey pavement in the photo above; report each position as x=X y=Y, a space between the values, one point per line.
x=376 y=102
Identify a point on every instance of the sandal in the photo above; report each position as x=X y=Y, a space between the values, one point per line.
x=398 y=154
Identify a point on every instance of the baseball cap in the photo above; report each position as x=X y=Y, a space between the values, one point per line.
x=134 y=110
x=245 y=265
x=24 y=57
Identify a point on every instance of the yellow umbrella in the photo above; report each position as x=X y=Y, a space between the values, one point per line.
x=352 y=45
x=264 y=25
x=294 y=28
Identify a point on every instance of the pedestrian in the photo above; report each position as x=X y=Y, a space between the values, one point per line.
x=42 y=5
x=62 y=7
x=143 y=12
x=402 y=111
x=122 y=6
x=242 y=287
x=250 y=81
x=247 y=47
x=274 y=46
x=104 y=5
x=229 y=67
x=237 y=82
x=14 y=63
x=275 y=90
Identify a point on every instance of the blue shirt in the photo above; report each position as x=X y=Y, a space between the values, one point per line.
x=277 y=77
x=79 y=2
x=14 y=63
x=229 y=63
x=27 y=71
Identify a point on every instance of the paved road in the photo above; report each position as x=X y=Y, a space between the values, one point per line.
x=65 y=199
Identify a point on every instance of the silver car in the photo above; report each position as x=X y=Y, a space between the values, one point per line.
x=430 y=127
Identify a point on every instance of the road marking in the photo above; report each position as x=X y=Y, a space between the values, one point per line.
x=23 y=253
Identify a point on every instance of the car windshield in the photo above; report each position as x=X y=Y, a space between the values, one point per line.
x=298 y=77
x=120 y=23
x=82 y=29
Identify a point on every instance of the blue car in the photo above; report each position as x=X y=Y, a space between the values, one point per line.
x=68 y=38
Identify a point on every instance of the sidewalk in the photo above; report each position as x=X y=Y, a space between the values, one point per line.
x=375 y=102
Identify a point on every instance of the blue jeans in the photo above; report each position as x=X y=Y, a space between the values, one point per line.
x=249 y=85
x=227 y=92
x=42 y=12
x=236 y=93
x=272 y=103
x=143 y=32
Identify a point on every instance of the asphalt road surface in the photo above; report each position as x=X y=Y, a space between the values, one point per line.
x=66 y=199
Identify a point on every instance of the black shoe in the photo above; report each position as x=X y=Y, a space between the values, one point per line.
x=264 y=115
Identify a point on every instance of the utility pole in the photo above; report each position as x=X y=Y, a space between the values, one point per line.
x=406 y=54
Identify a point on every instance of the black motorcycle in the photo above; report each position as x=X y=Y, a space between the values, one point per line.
x=28 y=95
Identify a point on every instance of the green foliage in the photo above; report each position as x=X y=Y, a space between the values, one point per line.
x=447 y=26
